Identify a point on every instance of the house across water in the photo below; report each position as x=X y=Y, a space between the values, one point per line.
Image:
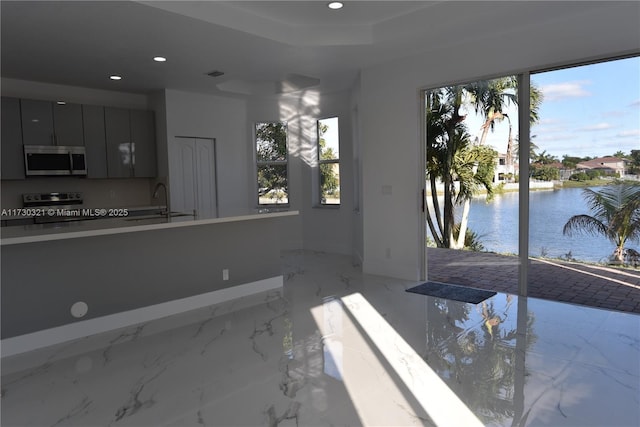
x=606 y=165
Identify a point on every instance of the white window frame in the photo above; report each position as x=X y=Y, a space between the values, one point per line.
x=318 y=185
x=259 y=163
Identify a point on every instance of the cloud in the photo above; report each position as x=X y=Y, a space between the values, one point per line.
x=549 y=129
x=599 y=126
x=553 y=138
x=635 y=104
x=558 y=91
x=614 y=113
x=628 y=133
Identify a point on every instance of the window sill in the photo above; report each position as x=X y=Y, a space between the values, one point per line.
x=273 y=208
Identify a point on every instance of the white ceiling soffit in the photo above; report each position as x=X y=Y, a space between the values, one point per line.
x=291 y=83
x=301 y=23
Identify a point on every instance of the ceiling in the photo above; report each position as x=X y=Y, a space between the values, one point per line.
x=263 y=47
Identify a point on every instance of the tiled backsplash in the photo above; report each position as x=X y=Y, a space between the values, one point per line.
x=98 y=193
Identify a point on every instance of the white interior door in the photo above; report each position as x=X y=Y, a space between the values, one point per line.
x=181 y=176
x=192 y=176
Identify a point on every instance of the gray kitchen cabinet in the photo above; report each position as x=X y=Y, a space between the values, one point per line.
x=94 y=140
x=67 y=124
x=50 y=123
x=12 y=153
x=143 y=141
x=131 y=146
x=37 y=122
x=118 y=138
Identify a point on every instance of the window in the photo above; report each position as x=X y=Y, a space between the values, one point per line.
x=329 y=161
x=272 y=163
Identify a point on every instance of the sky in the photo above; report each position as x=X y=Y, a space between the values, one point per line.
x=331 y=135
x=591 y=110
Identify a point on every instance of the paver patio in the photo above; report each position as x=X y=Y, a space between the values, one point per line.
x=596 y=286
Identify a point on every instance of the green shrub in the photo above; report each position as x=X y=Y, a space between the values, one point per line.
x=580 y=176
x=593 y=174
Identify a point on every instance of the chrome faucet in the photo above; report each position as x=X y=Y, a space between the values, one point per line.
x=156 y=190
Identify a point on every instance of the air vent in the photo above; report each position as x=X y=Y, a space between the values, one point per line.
x=215 y=73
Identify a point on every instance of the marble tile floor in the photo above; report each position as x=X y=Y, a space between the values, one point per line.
x=339 y=348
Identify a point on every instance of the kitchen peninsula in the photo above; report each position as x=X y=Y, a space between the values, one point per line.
x=63 y=284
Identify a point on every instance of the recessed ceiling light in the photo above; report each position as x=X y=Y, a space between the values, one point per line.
x=61 y=103
x=159 y=58
x=335 y=5
x=114 y=77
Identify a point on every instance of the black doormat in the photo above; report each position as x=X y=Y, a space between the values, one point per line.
x=457 y=293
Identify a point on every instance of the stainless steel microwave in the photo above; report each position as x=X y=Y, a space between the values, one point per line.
x=55 y=160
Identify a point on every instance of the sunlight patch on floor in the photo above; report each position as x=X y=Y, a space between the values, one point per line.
x=409 y=382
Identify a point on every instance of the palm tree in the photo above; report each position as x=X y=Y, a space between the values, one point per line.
x=451 y=157
x=616 y=215
x=474 y=168
x=489 y=97
x=532 y=149
x=544 y=158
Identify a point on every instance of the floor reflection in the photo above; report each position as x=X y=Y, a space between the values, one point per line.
x=518 y=361
x=474 y=348
x=337 y=347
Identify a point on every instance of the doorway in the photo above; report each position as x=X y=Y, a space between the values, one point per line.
x=192 y=172
x=471 y=183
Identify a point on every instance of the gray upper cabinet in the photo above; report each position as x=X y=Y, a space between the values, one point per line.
x=94 y=141
x=37 y=122
x=118 y=134
x=67 y=124
x=131 y=145
x=119 y=143
x=12 y=153
x=50 y=123
x=143 y=143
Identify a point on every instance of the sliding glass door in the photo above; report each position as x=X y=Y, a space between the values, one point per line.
x=585 y=171
x=517 y=193
x=471 y=179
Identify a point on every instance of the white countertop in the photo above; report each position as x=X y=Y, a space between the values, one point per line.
x=99 y=227
x=130 y=209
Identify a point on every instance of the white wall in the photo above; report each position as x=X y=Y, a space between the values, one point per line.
x=324 y=228
x=225 y=119
x=316 y=228
x=390 y=114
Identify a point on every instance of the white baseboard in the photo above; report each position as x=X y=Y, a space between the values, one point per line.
x=84 y=328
